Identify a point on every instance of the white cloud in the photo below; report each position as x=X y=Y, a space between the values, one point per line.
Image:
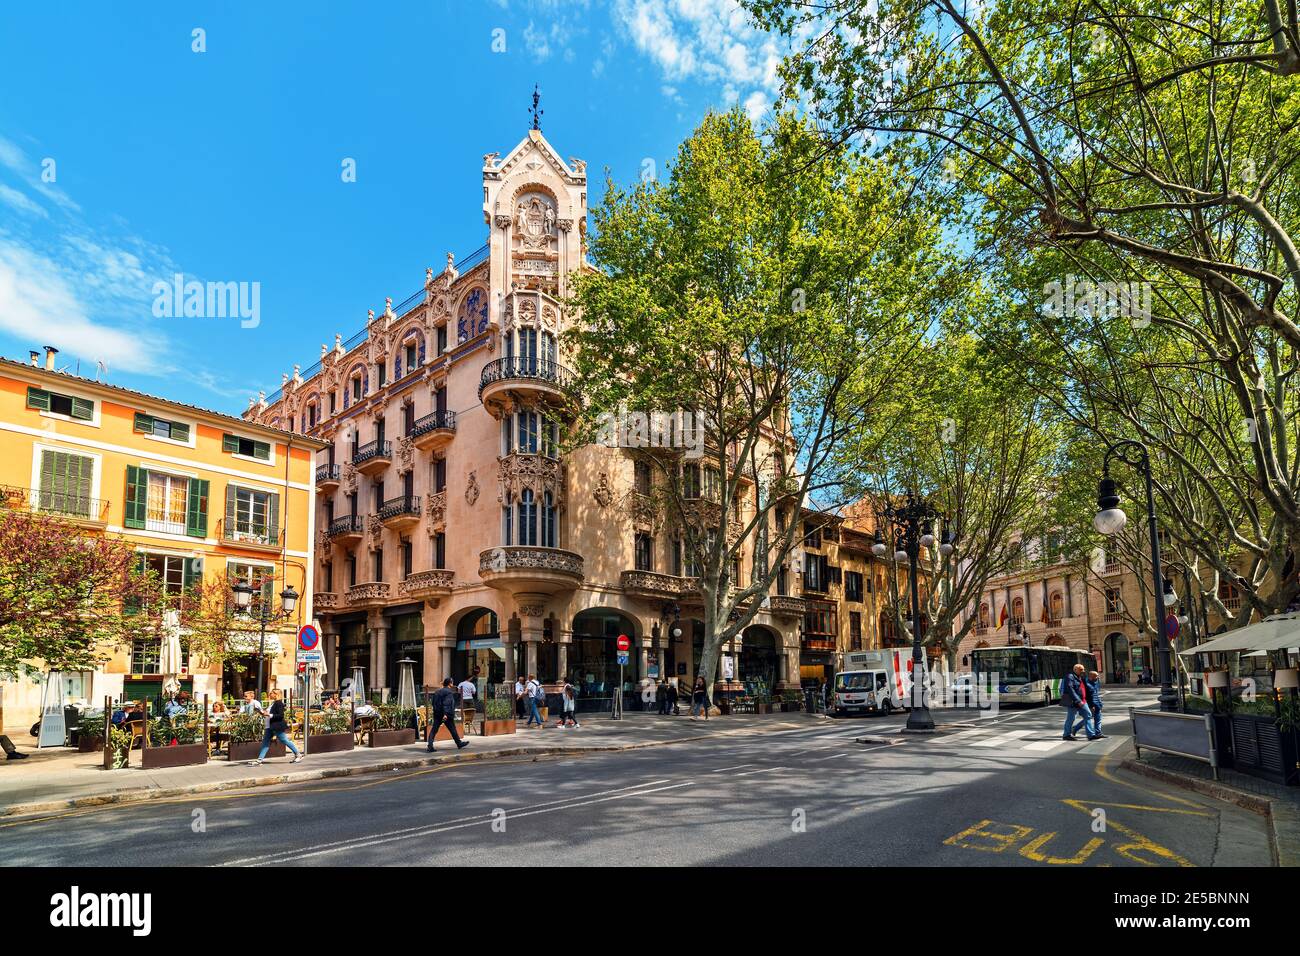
x=22 y=202
x=708 y=41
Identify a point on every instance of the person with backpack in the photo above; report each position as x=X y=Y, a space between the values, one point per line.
x=1094 y=702
x=444 y=712
x=536 y=697
x=277 y=728
x=569 y=695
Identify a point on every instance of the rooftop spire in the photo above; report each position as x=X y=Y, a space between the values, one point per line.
x=537 y=114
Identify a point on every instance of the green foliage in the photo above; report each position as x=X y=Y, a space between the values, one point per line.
x=244 y=728
x=393 y=717
x=330 y=722
x=119 y=743
x=499 y=710
x=184 y=729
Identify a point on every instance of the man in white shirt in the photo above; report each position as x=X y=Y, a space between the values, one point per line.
x=519 y=698
x=468 y=691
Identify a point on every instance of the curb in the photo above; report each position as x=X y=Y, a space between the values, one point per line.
x=1283 y=818
x=300 y=776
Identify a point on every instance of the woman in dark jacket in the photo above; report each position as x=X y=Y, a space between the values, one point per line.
x=276 y=729
x=700 y=698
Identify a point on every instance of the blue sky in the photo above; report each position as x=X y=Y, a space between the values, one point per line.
x=126 y=157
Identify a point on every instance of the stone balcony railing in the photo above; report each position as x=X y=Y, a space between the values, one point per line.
x=787 y=605
x=519 y=558
x=324 y=601
x=662 y=585
x=374 y=591
x=434 y=580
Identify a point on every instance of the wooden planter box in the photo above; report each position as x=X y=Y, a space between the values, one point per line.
x=327 y=743
x=90 y=745
x=182 y=755
x=492 y=728
x=249 y=749
x=1262 y=749
x=393 y=738
x=444 y=733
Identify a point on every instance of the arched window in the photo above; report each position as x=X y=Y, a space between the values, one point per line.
x=1018 y=610
x=526 y=518
x=984 y=615
x=549 y=354
x=550 y=539
x=528 y=351
x=1058 y=605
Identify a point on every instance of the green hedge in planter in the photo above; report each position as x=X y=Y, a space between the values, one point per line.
x=498 y=710
x=244 y=728
x=392 y=717
x=183 y=729
x=331 y=722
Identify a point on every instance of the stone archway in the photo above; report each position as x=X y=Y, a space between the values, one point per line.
x=1116 y=652
x=759 y=665
x=591 y=660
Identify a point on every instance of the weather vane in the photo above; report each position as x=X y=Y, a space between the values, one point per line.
x=537 y=114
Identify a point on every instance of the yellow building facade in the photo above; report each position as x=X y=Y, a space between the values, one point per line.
x=197 y=493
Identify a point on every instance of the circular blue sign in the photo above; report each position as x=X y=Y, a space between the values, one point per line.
x=308 y=637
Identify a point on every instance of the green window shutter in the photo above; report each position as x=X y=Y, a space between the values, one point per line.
x=83 y=408
x=38 y=398
x=191 y=572
x=196 y=510
x=49 y=461
x=230 y=511
x=137 y=493
x=143 y=422
x=262 y=450
x=229 y=443
x=180 y=432
x=273 y=517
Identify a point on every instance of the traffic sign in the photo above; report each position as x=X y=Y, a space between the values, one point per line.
x=1171 y=626
x=624 y=644
x=622 y=658
x=308 y=638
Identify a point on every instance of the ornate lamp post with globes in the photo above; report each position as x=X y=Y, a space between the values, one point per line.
x=243 y=604
x=911 y=527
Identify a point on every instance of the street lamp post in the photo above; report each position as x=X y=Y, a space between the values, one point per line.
x=910 y=525
x=243 y=603
x=1110 y=520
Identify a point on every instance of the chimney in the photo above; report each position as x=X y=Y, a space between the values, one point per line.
x=50 y=352
x=35 y=358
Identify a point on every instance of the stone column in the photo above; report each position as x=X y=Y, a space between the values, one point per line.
x=562 y=654
x=329 y=650
x=532 y=629
x=378 y=654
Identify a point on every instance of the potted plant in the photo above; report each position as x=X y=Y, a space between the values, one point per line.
x=119 y=748
x=1264 y=738
x=498 y=718
x=88 y=735
x=175 y=742
x=394 y=726
x=330 y=732
x=791 y=702
x=245 y=737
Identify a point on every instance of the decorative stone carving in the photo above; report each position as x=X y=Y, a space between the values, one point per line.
x=535 y=222
x=437 y=512
x=405 y=453
x=364 y=593
x=645 y=512
x=603 y=492
x=564 y=224
x=503 y=222
x=422 y=582
x=375 y=529
x=531 y=610
x=536 y=472
x=471 y=488
x=322 y=540
x=530 y=559
x=349 y=478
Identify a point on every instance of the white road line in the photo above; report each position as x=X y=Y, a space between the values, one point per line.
x=736 y=767
x=480 y=817
x=830 y=756
x=430 y=831
x=749 y=773
x=958 y=736
x=1044 y=745
x=1001 y=739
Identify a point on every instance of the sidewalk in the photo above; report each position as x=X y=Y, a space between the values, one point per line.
x=1280 y=804
x=60 y=779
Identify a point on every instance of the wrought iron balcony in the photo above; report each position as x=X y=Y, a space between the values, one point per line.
x=79 y=508
x=373 y=457
x=347 y=526
x=544 y=379
x=328 y=477
x=249 y=534
x=400 y=512
x=434 y=430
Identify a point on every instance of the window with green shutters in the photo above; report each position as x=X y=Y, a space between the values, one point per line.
x=162 y=427
x=251 y=515
x=246 y=446
x=66 y=481
x=46 y=401
x=137 y=497
x=196 y=510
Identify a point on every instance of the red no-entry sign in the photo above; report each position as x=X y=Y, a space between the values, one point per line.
x=624 y=643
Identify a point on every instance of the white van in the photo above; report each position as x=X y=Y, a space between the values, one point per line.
x=873 y=681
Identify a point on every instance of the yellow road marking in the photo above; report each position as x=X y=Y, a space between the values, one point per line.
x=1139 y=841
x=1102 y=771
x=999 y=841
x=1031 y=850
x=1082 y=804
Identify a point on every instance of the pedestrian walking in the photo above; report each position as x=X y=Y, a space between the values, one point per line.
x=535 y=696
x=673 y=697
x=1074 y=698
x=700 y=697
x=444 y=712
x=468 y=694
x=277 y=728
x=569 y=695
x=519 y=698
x=1094 y=703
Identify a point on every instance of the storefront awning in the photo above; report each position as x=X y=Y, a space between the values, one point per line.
x=1270 y=634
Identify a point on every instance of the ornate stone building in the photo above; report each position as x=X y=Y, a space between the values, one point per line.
x=454 y=532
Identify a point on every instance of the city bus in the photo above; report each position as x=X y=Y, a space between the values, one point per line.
x=1027 y=675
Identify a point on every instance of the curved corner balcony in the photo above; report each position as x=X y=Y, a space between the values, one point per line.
x=434 y=431
x=434 y=582
x=527 y=570
x=373 y=457
x=785 y=605
x=370 y=594
x=513 y=378
x=400 y=513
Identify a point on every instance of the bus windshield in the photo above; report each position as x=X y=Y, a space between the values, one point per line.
x=1010 y=663
x=853 y=680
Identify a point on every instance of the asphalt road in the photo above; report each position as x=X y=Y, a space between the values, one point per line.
x=987 y=791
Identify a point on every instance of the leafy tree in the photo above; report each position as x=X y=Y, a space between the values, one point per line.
x=772 y=288
x=68 y=599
